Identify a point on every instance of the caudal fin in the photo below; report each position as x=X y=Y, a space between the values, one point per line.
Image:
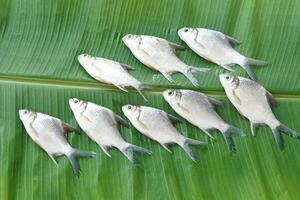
x=286 y=130
x=248 y=62
x=185 y=146
x=228 y=139
x=73 y=159
x=130 y=149
x=191 y=70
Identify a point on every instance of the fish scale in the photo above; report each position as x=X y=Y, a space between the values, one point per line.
x=254 y=102
x=49 y=133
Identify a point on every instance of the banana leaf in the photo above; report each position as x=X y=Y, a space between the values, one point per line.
x=39 y=44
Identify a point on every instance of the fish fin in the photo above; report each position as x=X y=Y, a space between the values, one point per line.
x=143 y=86
x=228 y=139
x=121 y=121
x=253 y=127
x=185 y=146
x=233 y=42
x=248 y=62
x=140 y=92
x=53 y=158
x=208 y=133
x=67 y=128
x=189 y=74
x=286 y=130
x=228 y=67
x=173 y=119
x=121 y=88
x=130 y=149
x=127 y=66
x=76 y=153
x=271 y=99
x=105 y=150
x=236 y=97
x=199 y=43
x=182 y=107
x=168 y=76
x=278 y=138
x=177 y=46
x=166 y=147
x=142 y=124
x=215 y=102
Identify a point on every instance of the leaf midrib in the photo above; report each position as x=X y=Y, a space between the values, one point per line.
x=102 y=86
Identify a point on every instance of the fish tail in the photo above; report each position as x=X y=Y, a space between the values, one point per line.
x=189 y=74
x=75 y=153
x=248 y=62
x=228 y=139
x=130 y=149
x=185 y=146
x=286 y=130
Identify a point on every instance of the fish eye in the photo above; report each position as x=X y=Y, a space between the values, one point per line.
x=85 y=55
x=129 y=107
x=185 y=30
x=76 y=101
x=25 y=112
x=170 y=92
x=227 y=77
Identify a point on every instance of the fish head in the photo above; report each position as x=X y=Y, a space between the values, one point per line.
x=172 y=95
x=130 y=110
x=85 y=59
x=77 y=105
x=229 y=81
x=186 y=33
x=26 y=115
x=131 y=40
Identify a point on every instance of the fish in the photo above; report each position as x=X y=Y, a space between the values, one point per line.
x=160 y=55
x=157 y=125
x=50 y=134
x=218 y=48
x=111 y=72
x=101 y=125
x=254 y=102
x=199 y=109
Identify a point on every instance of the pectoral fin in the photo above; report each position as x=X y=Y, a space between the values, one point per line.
x=199 y=44
x=182 y=107
x=236 y=98
x=142 y=124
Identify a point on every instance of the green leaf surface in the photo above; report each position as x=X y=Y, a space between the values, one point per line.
x=39 y=44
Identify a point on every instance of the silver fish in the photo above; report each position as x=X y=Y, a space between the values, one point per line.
x=50 y=134
x=158 y=125
x=198 y=109
x=218 y=48
x=253 y=101
x=160 y=55
x=101 y=125
x=111 y=72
